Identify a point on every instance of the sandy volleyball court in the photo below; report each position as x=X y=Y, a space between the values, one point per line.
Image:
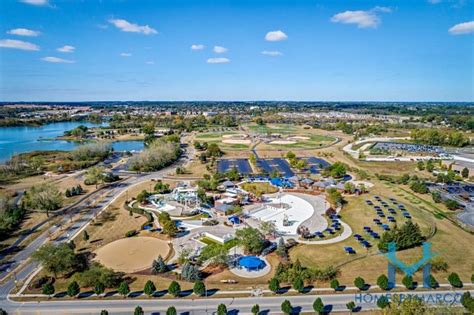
x=131 y=254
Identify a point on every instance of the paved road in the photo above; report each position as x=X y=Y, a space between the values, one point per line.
x=112 y=192
x=270 y=305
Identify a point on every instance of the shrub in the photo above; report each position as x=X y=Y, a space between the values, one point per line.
x=131 y=233
x=138 y=311
x=432 y=282
x=298 y=284
x=99 y=288
x=48 y=289
x=382 y=282
x=123 y=289
x=350 y=306
x=438 y=264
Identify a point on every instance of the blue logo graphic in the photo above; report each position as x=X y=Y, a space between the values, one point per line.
x=394 y=262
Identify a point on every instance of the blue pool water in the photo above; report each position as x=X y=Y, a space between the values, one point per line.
x=251 y=263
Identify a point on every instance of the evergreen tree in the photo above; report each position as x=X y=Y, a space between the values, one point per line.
x=174 y=289
x=318 y=306
x=274 y=285
x=454 y=280
x=99 y=288
x=48 y=289
x=149 y=288
x=298 y=284
x=171 y=311
x=408 y=282
x=350 y=306
x=359 y=283
x=199 y=288
x=104 y=312
x=138 y=311
x=382 y=302
x=190 y=272
x=123 y=289
x=286 y=307
x=255 y=309
x=335 y=284
x=465 y=172
x=382 y=282
x=433 y=282
x=159 y=266
x=221 y=309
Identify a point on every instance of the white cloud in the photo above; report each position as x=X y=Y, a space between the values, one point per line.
x=150 y=62
x=276 y=36
x=273 y=53
x=18 y=44
x=23 y=32
x=124 y=54
x=220 y=49
x=35 y=2
x=363 y=19
x=56 y=60
x=66 y=49
x=218 y=60
x=462 y=28
x=126 y=26
x=197 y=47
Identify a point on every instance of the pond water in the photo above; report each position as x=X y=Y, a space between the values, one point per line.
x=14 y=140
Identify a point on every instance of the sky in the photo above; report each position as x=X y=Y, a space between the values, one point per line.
x=333 y=50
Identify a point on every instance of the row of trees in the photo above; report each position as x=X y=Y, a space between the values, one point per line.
x=11 y=216
x=157 y=155
x=440 y=137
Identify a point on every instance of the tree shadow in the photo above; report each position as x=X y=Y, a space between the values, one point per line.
x=283 y=290
x=161 y=293
x=86 y=294
x=211 y=292
x=341 y=288
x=185 y=293
x=135 y=294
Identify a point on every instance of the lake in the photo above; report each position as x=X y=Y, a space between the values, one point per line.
x=14 y=140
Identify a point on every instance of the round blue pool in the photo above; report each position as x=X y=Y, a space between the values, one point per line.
x=251 y=263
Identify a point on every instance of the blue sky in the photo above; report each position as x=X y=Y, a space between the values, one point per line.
x=57 y=50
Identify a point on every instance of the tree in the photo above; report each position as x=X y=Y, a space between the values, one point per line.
x=149 y=288
x=408 y=282
x=56 y=258
x=454 y=280
x=382 y=282
x=159 y=266
x=3 y=312
x=48 y=289
x=99 y=288
x=268 y=227
x=251 y=240
x=190 y=272
x=286 y=307
x=174 y=289
x=123 y=289
x=45 y=197
x=351 y=306
x=337 y=170
x=221 y=309
x=95 y=175
x=85 y=236
x=318 y=306
x=171 y=311
x=335 y=284
x=465 y=172
x=199 y=288
x=451 y=204
x=73 y=289
x=359 y=283
x=433 y=282
x=281 y=248
x=274 y=285
x=138 y=311
x=104 y=312
x=382 y=302
x=298 y=284
x=255 y=309
x=334 y=197
x=467 y=301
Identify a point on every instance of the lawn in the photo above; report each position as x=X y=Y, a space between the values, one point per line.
x=259 y=188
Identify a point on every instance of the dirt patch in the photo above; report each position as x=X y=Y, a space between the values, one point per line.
x=132 y=254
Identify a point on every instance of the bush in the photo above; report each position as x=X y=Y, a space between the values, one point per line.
x=318 y=306
x=255 y=309
x=149 y=288
x=438 y=264
x=350 y=306
x=48 y=289
x=432 y=282
x=138 y=311
x=298 y=284
x=454 y=280
x=123 y=289
x=99 y=288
